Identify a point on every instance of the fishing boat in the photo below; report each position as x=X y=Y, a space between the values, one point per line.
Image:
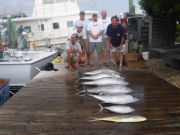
x=21 y=66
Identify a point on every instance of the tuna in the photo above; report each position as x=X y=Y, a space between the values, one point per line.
x=118 y=109
x=111 y=89
x=115 y=98
x=106 y=81
x=100 y=76
x=102 y=70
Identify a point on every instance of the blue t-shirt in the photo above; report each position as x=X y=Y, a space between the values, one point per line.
x=115 y=34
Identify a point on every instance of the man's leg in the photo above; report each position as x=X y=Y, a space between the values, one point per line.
x=91 y=52
x=107 y=51
x=86 y=48
x=114 y=50
x=103 y=52
x=121 y=57
x=77 y=59
x=70 y=60
x=99 y=49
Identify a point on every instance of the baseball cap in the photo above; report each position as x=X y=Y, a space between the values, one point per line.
x=82 y=13
x=94 y=14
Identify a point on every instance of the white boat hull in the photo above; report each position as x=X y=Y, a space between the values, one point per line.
x=21 y=73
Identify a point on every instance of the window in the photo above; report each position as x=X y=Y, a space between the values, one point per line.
x=61 y=1
x=42 y=27
x=69 y=23
x=56 y=25
x=48 y=1
x=27 y=29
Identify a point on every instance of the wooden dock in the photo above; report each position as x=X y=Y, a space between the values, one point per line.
x=50 y=106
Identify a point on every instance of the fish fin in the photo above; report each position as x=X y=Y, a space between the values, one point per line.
x=79 y=93
x=85 y=89
x=93 y=119
x=100 y=94
x=101 y=108
x=77 y=85
x=77 y=81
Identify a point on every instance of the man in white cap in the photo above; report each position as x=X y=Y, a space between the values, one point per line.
x=95 y=31
x=84 y=42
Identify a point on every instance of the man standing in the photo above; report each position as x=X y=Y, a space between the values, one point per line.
x=105 y=44
x=73 y=52
x=116 y=38
x=95 y=31
x=84 y=42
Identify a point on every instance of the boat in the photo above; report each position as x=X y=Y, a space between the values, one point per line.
x=20 y=67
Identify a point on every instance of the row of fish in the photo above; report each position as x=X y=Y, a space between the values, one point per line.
x=111 y=88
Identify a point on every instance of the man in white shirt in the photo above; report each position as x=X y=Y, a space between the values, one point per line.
x=106 y=46
x=84 y=42
x=95 y=32
x=73 y=52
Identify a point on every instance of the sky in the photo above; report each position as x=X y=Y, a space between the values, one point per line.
x=113 y=7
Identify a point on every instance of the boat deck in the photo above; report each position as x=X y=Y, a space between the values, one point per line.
x=50 y=106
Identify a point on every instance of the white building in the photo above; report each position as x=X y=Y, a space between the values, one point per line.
x=51 y=19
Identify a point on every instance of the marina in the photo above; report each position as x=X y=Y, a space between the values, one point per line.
x=76 y=67
x=49 y=105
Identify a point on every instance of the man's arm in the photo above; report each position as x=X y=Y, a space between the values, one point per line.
x=90 y=34
x=99 y=33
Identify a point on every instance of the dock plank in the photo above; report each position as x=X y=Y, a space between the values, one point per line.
x=50 y=106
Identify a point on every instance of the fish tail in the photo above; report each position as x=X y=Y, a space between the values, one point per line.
x=93 y=119
x=78 y=92
x=77 y=85
x=77 y=81
x=85 y=89
x=101 y=108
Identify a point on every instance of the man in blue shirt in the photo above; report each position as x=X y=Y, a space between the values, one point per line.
x=116 y=38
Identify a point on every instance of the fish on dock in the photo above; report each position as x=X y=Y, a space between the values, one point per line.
x=101 y=75
x=98 y=71
x=110 y=89
x=115 y=98
x=106 y=81
x=122 y=118
x=118 y=109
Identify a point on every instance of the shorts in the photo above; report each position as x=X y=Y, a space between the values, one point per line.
x=74 y=57
x=117 y=49
x=105 y=44
x=95 y=46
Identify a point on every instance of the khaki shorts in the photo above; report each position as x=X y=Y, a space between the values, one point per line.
x=105 y=44
x=95 y=46
x=74 y=57
x=117 y=49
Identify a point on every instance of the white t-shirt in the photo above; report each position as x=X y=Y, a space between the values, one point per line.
x=95 y=28
x=85 y=25
x=105 y=23
x=69 y=45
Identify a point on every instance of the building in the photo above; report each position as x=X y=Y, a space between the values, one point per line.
x=51 y=21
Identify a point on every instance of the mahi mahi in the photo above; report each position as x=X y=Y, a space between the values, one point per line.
x=106 y=81
x=132 y=118
x=115 y=98
x=118 y=109
x=111 y=89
